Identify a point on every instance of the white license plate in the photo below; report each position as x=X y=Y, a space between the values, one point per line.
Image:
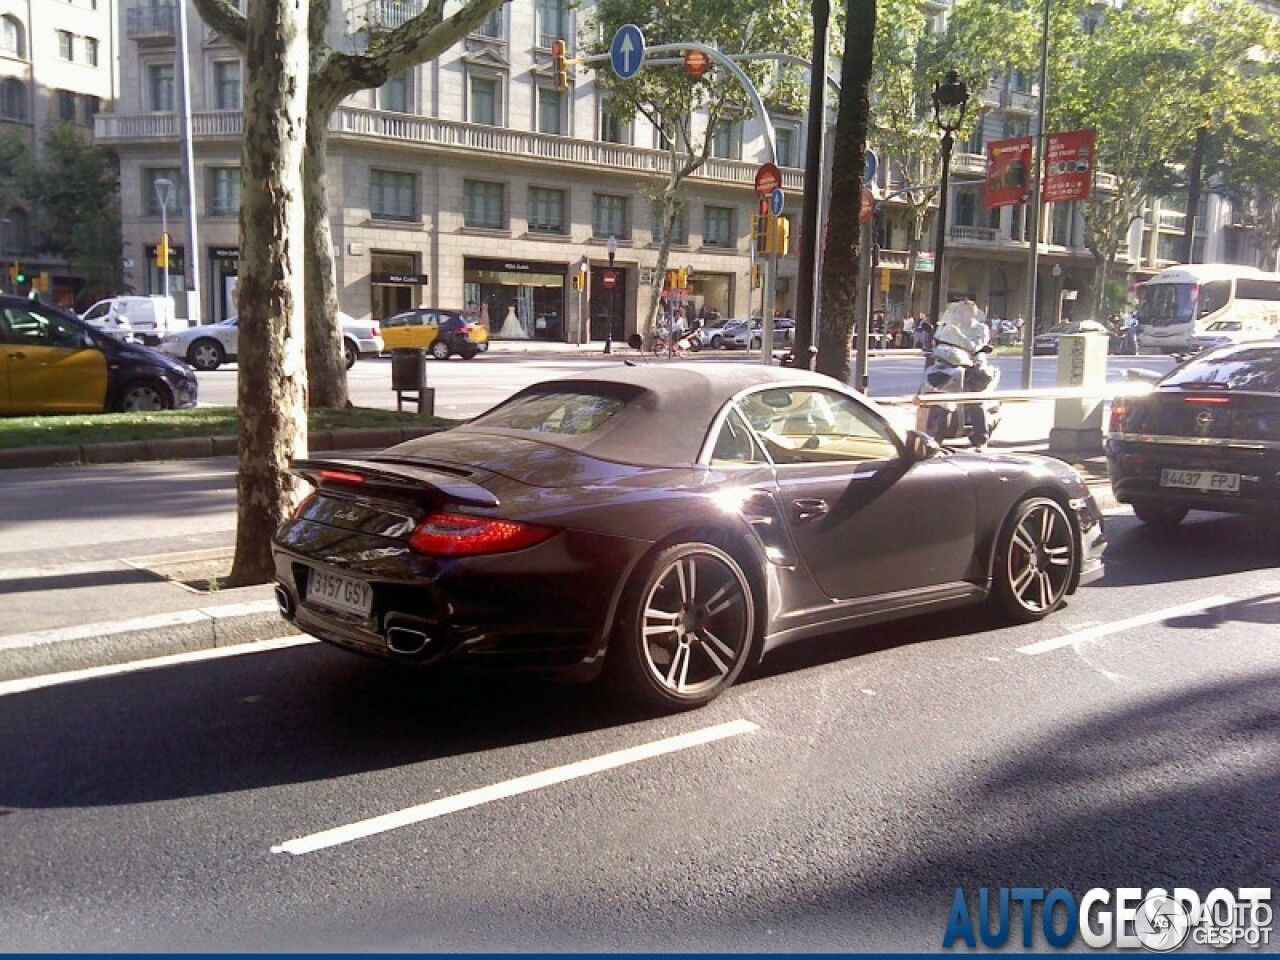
x=1206 y=481
x=340 y=593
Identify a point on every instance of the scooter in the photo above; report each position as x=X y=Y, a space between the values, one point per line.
x=951 y=369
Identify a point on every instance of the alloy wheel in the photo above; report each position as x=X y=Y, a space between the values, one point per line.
x=142 y=397
x=1039 y=559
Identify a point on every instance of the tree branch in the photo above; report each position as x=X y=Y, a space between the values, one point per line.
x=228 y=22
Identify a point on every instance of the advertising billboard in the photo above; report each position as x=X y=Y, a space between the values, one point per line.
x=1008 y=172
x=1068 y=165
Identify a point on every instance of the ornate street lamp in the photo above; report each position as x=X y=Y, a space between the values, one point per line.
x=950 y=99
x=612 y=247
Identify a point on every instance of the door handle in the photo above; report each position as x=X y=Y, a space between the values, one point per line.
x=808 y=509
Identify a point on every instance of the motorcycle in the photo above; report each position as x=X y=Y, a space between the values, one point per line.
x=952 y=369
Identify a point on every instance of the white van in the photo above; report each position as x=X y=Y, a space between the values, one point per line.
x=150 y=319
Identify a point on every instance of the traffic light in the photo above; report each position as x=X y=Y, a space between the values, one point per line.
x=782 y=236
x=762 y=232
x=576 y=281
x=19 y=275
x=561 y=65
x=42 y=282
x=162 y=252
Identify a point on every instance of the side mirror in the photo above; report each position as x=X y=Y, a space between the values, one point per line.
x=635 y=341
x=921 y=446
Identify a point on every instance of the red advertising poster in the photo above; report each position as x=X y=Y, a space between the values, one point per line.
x=1068 y=166
x=1008 y=172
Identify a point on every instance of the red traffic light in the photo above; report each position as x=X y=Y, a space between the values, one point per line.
x=696 y=64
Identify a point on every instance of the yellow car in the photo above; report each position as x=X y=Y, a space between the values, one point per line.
x=442 y=333
x=52 y=362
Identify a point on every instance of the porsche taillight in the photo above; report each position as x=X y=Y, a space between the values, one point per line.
x=460 y=535
x=1119 y=411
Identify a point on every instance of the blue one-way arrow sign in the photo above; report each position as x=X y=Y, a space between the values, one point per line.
x=626 y=52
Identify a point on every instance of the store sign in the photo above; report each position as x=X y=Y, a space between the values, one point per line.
x=1008 y=172
x=1068 y=165
x=224 y=253
x=401 y=278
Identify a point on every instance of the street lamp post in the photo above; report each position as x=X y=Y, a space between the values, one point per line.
x=950 y=99
x=612 y=247
x=163 y=188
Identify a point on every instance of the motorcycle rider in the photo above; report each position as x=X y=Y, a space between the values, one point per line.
x=964 y=326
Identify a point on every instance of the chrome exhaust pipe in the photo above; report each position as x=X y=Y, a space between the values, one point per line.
x=406 y=641
x=284 y=602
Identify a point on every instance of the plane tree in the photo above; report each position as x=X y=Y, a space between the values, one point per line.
x=688 y=113
x=334 y=75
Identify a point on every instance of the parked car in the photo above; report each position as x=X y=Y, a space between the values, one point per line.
x=712 y=335
x=209 y=346
x=668 y=525
x=1207 y=437
x=54 y=362
x=1222 y=332
x=1047 y=343
x=442 y=333
x=148 y=319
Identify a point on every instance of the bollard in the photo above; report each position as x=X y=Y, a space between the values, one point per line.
x=1077 y=423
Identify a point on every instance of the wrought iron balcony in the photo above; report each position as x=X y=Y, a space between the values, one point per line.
x=386 y=14
x=148 y=22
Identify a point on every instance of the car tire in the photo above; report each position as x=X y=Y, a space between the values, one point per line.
x=206 y=354
x=756 y=343
x=1158 y=514
x=1036 y=559
x=143 y=396
x=716 y=342
x=350 y=353
x=701 y=652
x=469 y=351
x=440 y=350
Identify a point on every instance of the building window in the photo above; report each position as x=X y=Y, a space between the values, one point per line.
x=392 y=195
x=550 y=110
x=679 y=229
x=966 y=208
x=613 y=128
x=1016 y=127
x=546 y=211
x=393 y=96
x=160 y=87
x=13 y=39
x=66 y=45
x=974 y=143
x=724 y=140
x=1061 y=231
x=550 y=22
x=609 y=217
x=66 y=106
x=92 y=105
x=492 y=26
x=785 y=141
x=151 y=194
x=224 y=191
x=717 y=227
x=485 y=104
x=91 y=51
x=226 y=85
x=13 y=100
x=486 y=204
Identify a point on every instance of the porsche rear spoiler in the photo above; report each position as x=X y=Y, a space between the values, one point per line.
x=400 y=478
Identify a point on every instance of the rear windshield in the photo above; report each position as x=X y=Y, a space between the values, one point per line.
x=1247 y=367
x=572 y=414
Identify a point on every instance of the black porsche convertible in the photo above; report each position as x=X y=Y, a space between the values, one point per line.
x=668 y=525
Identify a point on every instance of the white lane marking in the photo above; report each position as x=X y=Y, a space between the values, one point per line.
x=511 y=788
x=28 y=684
x=1106 y=629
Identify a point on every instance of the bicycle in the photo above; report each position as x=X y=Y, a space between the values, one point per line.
x=663 y=347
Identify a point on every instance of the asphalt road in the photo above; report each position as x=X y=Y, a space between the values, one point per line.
x=466 y=388
x=1133 y=739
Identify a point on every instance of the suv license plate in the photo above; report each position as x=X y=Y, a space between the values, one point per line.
x=345 y=594
x=1206 y=481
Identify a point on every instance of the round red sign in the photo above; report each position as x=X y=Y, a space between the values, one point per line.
x=867 y=209
x=696 y=64
x=768 y=179
x=608 y=280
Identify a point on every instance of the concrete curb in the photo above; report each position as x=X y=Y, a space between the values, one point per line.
x=187 y=448
x=25 y=655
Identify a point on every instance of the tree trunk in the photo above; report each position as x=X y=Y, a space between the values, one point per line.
x=648 y=323
x=326 y=364
x=1194 y=175
x=272 y=392
x=840 y=272
x=808 y=252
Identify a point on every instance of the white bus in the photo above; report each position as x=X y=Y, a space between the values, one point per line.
x=1179 y=302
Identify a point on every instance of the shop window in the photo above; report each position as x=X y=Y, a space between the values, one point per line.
x=609 y=217
x=151 y=193
x=550 y=111
x=392 y=195
x=160 y=87
x=13 y=38
x=717 y=227
x=485 y=204
x=224 y=191
x=485 y=106
x=547 y=210
x=226 y=85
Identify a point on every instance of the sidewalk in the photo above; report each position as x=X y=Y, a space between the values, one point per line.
x=122 y=600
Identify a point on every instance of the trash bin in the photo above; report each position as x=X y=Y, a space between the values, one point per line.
x=408 y=369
